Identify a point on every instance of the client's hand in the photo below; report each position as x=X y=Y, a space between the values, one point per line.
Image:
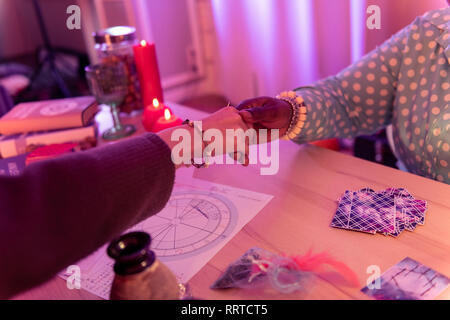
x=266 y=113
x=225 y=118
x=229 y=118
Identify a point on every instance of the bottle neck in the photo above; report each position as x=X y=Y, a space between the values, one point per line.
x=131 y=253
x=135 y=266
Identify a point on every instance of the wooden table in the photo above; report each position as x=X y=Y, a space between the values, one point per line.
x=305 y=190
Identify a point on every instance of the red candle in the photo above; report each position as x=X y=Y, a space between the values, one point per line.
x=152 y=113
x=148 y=72
x=169 y=120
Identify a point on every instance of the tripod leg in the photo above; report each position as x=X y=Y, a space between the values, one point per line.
x=33 y=78
x=59 y=80
x=50 y=58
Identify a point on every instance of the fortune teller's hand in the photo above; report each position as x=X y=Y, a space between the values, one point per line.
x=266 y=113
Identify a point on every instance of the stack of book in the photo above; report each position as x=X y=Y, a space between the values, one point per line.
x=31 y=125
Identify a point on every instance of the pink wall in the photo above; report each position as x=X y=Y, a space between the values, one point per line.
x=333 y=41
x=266 y=46
x=15 y=35
x=19 y=31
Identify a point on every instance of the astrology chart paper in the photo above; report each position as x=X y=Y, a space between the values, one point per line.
x=199 y=219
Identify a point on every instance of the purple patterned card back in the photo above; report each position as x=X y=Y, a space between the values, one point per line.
x=342 y=217
x=389 y=212
x=373 y=211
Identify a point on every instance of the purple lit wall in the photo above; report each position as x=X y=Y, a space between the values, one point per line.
x=357 y=20
x=267 y=46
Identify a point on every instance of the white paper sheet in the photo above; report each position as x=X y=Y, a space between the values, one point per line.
x=199 y=219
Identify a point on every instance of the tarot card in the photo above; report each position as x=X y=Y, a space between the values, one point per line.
x=407 y=280
x=415 y=208
x=342 y=218
x=398 y=192
x=373 y=211
x=400 y=224
x=389 y=212
x=410 y=215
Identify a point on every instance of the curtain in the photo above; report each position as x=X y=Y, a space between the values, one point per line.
x=267 y=46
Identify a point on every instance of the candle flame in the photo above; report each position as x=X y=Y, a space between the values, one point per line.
x=167 y=114
x=155 y=103
x=143 y=43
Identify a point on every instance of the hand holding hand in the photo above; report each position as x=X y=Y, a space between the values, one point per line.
x=266 y=113
x=227 y=118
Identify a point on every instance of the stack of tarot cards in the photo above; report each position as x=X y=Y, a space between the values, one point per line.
x=388 y=212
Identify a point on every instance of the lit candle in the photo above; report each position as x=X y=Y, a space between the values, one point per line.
x=169 y=120
x=148 y=72
x=152 y=113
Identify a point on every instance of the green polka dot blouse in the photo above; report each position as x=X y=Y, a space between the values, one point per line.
x=404 y=82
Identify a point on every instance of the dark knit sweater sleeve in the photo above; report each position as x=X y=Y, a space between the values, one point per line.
x=58 y=211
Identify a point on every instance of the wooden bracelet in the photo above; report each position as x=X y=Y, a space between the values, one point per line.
x=299 y=114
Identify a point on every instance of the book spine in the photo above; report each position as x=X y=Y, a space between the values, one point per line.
x=9 y=127
x=89 y=113
x=17 y=146
x=13 y=147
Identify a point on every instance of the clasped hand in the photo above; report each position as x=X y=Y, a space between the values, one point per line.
x=257 y=113
x=231 y=128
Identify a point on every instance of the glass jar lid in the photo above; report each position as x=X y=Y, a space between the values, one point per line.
x=115 y=34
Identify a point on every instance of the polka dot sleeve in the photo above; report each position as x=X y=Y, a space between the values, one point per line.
x=358 y=100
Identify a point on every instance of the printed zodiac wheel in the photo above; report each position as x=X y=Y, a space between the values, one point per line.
x=190 y=223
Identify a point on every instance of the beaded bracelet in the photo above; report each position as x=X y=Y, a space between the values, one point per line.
x=299 y=112
x=206 y=163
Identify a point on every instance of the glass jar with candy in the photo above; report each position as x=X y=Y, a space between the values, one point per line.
x=116 y=44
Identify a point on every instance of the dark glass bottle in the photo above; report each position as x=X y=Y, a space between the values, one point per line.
x=138 y=274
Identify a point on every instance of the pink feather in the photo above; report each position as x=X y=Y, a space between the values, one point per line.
x=314 y=263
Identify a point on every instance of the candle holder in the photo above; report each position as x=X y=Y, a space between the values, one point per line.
x=152 y=113
x=109 y=84
x=169 y=120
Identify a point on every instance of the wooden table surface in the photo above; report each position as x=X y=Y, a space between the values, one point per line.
x=309 y=181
